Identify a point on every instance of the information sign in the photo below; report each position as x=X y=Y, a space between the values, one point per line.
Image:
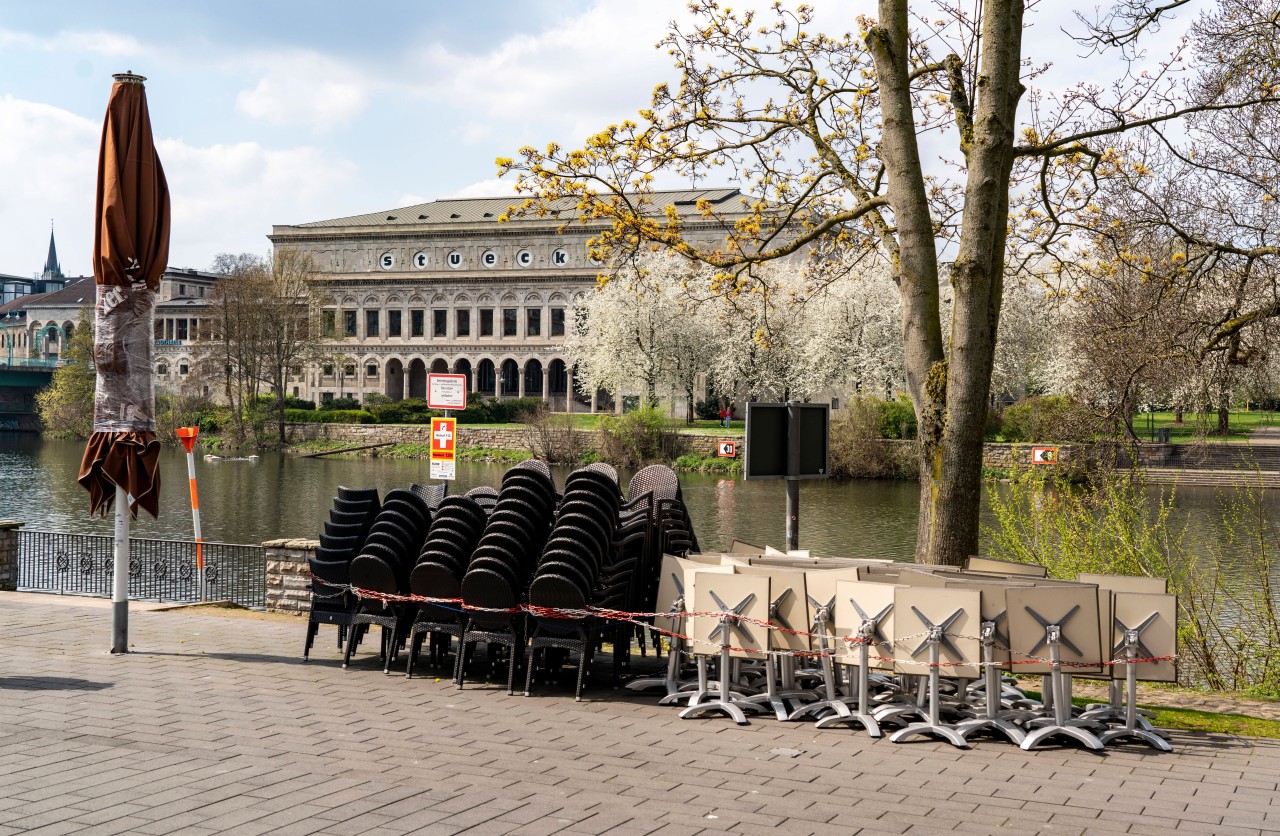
x=1044 y=455
x=447 y=391
x=727 y=449
x=444 y=449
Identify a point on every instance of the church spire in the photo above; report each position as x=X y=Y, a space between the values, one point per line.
x=52 y=270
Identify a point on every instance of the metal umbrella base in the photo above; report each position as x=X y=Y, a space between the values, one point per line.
x=933 y=726
x=863 y=716
x=735 y=708
x=992 y=721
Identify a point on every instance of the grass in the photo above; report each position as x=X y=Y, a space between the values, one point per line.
x=708 y=464
x=1190 y=719
x=1198 y=425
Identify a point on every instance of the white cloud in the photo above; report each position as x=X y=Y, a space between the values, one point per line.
x=308 y=89
x=223 y=197
x=108 y=44
x=473 y=132
x=578 y=73
x=226 y=197
x=48 y=163
x=486 y=188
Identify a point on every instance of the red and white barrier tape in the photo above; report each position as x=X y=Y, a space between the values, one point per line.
x=635 y=618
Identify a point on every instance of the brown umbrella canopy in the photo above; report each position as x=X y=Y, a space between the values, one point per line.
x=130 y=252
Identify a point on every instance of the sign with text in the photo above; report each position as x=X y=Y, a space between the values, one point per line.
x=444 y=448
x=447 y=391
x=727 y=449
x=1044 y=455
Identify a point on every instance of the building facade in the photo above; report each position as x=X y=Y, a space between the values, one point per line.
x=38 y=326
x=445 y=287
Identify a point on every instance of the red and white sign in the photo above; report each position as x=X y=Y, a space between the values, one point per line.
x=447 y=391
x=1044 y=455
x=727 y=449
x=444 y=448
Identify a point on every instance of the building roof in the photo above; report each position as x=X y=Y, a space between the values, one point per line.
x=52 y=270
x=487 y=209
x=79 y=293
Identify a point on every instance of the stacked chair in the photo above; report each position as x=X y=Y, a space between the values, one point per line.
x=502 y=564
x=586 y=562
x=672 y=530
x=486 y=496
x=349 y=521
x=433 y=495
x=383 y=566
x=454 y=534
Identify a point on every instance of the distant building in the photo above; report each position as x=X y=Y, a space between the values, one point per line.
x=50 y=278
x=41 y=324
x=444 y=287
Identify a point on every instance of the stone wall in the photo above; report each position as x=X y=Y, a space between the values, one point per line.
x=506 y=438
x=288 y=578
x=9 y=554
x=516 y=438
x=999 y=455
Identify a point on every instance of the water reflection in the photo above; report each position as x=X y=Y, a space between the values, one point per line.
x=279 y=496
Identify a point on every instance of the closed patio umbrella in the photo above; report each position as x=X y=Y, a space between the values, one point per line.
x=130 y=252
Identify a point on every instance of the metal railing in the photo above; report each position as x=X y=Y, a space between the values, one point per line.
x=159 y=570
x=33 y=363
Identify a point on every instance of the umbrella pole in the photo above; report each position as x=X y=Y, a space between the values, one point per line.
x=120 y=586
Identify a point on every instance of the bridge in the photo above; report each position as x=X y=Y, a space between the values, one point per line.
x=20 y=380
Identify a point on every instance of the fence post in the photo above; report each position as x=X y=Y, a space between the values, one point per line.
x=288 y=576
x=9 y=554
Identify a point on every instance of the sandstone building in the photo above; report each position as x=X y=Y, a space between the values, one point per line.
x=446 y=287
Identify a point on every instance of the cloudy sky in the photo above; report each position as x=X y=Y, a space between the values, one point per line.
x=289 y=111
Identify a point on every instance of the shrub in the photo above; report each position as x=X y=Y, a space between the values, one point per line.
x=707 y=410
x=376 y=399
x=1228 y=608
x=173 y=411
x=859 y=451
x=329 y=416
x=551 y=436
x=290 y=402
x=407 y=411
x=1048 y=418
x=639 y=437
x=897 y=419
x=342 y=403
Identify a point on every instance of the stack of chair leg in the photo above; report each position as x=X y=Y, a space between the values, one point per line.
x=575 y=572
x=349 y=521
x=382 y=567
x=497 y=578
x=455 y=532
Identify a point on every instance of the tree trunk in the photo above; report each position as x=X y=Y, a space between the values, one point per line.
x=1224 y=418
x=950 y=393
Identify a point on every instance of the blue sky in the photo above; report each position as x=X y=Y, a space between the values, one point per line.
x=287 y=112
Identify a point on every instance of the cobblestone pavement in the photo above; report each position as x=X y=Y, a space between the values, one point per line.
x=213 y=726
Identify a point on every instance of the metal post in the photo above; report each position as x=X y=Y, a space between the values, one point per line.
x=195 y=519
x=793 y=475
x=120 y=585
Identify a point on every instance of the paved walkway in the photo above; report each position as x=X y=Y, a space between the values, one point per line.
x=213 y=725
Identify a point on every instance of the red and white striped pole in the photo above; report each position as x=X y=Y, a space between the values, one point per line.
x=187 y=435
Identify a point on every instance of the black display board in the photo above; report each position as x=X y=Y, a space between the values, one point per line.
x=767 y=441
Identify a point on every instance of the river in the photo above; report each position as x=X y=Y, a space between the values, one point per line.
x=283 y=496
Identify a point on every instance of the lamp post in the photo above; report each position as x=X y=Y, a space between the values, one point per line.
x=10 y=322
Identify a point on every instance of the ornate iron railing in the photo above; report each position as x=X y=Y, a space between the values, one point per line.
x=160 y=570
